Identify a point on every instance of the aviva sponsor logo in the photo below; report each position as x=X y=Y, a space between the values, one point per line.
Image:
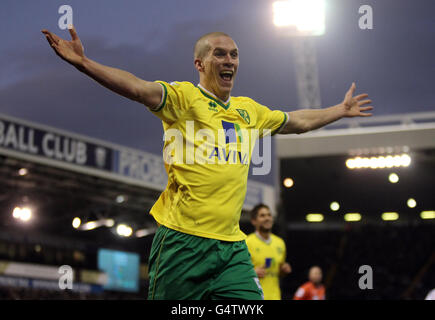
x=229 y=144
x=230 y=156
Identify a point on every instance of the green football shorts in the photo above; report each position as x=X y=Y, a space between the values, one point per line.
x=184 y=266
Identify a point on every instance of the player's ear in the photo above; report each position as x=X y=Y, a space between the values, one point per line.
x=199 y=65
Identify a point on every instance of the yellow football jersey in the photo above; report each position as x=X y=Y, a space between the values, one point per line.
x=271 y=255
x=207 y=152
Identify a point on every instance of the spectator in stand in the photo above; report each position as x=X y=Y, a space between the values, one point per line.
x=313 y=289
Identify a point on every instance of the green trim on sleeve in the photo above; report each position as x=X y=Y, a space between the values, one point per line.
x=165 y=95
x=282 y=124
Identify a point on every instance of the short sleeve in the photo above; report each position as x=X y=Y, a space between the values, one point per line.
x=267 y=119
x=175 y=101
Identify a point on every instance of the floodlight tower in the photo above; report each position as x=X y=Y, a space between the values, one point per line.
x=302 y=20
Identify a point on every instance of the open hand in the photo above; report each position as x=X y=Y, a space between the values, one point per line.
x=261 y=272
x=354 y=106
x=70 y=51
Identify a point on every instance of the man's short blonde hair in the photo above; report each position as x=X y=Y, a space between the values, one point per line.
x=202 y=46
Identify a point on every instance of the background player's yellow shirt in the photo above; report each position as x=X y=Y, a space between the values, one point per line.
x=207 y=176
x=260 y=251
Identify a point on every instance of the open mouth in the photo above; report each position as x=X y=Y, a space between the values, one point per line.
x=227 y=75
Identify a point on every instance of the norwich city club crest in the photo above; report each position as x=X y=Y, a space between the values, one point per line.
x=245 y=115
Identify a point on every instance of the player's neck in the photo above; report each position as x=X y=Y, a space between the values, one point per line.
x=264 y=235
x=220 y=96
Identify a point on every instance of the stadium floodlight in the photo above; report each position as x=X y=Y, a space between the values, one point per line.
x=334 y=206
x=350 y=164
x=90 y=225
x=314 y=217
x=405 y=160
x=26 y=214
x=430 y=214
x=124 y=231
x=109 y=222
x=393 y=178
x=373 y=162
x=288 y=182
x=23 y=214
x=23 y=171
x=389 y=162
x=120 y=198
x=352 y=217
x=390 y=216
x=76 y=222
x=306 y=16
x=380 y=162
x=16 y=213
x=411 y=203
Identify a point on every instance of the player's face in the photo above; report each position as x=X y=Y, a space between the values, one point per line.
x=315 y=275
x=264 y=220
x=220 y=65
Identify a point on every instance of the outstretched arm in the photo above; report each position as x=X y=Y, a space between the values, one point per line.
x=119 y=81
x=301 y=121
